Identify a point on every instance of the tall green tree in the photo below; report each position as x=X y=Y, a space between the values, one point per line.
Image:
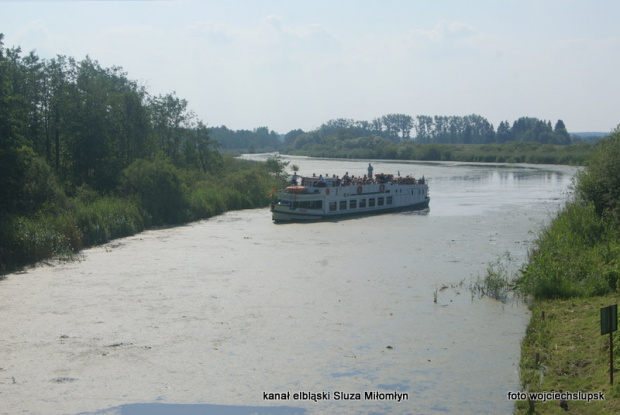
x=14 y=152
x=561 y=134
x=504 y=132
x=170 y=117
x=599 y=182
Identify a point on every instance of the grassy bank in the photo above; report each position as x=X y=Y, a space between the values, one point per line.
x=572 y=272
x=572 y=356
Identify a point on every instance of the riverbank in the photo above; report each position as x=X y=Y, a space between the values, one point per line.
x=563 y=350
x=153 y=194
x=509 y=152
x=572 y=272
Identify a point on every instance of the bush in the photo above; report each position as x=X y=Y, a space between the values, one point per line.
x=599 y=182
x=207 y=200
x=108 y=218
x=41 y=187
x=154 y=192
x=578 y=253
x=160 y=188
x=28 y=240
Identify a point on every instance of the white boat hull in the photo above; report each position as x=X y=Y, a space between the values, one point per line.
x=309 y=203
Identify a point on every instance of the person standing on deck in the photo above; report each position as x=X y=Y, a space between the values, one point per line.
x=369 y=170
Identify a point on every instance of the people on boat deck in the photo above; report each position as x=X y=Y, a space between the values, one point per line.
x=346 y=180
x=352 y=180
x=370 y=170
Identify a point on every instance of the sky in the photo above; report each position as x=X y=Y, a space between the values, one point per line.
x=293 y=64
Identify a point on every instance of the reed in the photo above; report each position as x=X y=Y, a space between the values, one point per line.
x=498 y=280
x=106 y=219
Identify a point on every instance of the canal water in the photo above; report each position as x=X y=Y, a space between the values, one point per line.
x=238 y=315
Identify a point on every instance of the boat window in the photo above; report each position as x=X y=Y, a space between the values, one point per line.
x=332 y=206
x=380 y=201
x=310 y=204
x=389 y=200
x=362 y=203
x=371 y=202
x=343 y=205
x=352 y=204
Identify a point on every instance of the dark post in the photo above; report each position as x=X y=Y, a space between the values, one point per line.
x=609 y=324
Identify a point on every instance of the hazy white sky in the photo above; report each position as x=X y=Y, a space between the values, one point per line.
x=289 y=64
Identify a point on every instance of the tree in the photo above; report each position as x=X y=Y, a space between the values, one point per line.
x=424 y=129
x=503 y=132
x=289 y=138
x=404 y=124
x=14 y=153
x=205 y=148
x=561 y=134
x=599 y=183
x=397 y=123
x=169 y=115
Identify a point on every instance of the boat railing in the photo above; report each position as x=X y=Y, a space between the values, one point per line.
x=314 y=182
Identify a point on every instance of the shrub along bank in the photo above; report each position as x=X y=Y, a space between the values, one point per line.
x=152 y=193
x=572 y=272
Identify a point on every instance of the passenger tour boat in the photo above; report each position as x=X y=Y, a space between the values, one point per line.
x=315 y=198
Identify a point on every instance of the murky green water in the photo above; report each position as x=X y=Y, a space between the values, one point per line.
x=209 y=317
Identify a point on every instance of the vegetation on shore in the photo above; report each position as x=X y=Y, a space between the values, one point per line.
x=508 y=152
x=86 y=156
x=470 y=139
x=572 y=272
x=578 y=254
x=152 y=193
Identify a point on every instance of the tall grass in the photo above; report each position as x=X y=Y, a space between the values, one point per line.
x=576 y=255
x=107 y=218
x=26 y=240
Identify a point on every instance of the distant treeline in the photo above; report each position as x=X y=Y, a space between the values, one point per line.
x=470 y=129
x=259 y=139
x=399 y=136
x=470 y=139
x=87 y=155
